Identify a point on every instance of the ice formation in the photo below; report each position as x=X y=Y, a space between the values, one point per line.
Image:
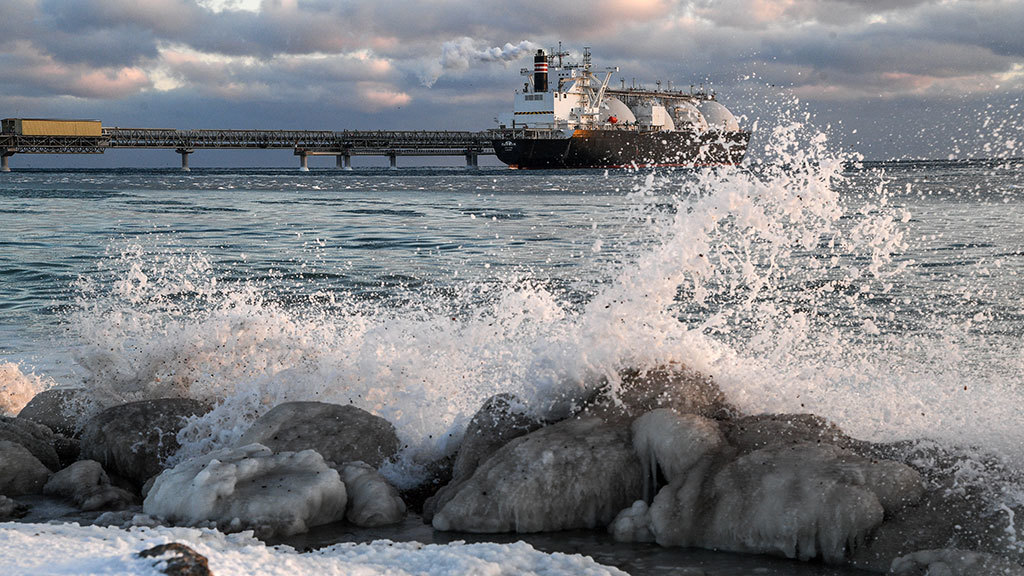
x=673 y=443
x=371 y=500
x=250 y=488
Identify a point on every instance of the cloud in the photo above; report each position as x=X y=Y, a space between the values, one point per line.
x=361 y=61
x=458 y=55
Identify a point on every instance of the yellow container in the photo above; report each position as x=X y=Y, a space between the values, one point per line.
x=45 y=127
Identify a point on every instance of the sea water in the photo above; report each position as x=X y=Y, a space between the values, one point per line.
x=886 y=297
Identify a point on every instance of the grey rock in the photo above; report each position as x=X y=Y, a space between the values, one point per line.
x=133 y=440
x=62 y=410
x=750 y=433
x=20 y=471
x=36 y=438
x=10 y=509
x=577 y=473
x=681 y=389
x=340 y=433
x=87 y=485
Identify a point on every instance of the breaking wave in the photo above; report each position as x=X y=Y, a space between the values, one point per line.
x=794 y=297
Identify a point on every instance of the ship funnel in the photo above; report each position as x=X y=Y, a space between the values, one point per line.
x=540 y=72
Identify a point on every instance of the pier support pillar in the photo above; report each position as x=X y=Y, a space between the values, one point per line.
x=184 y=158
x=394 y=160
x=348 y=161
x=472 y=160
x=5 y=165
x=303 y=162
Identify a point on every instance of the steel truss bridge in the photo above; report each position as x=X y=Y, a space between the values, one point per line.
x=343 y=145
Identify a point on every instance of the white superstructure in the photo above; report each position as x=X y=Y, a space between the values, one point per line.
x=563 y=97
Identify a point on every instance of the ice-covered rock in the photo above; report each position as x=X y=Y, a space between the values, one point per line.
x=250 y=488
x=340 y=433
x=948 y=562
x=372 y=501
x=10 y=509
x=60 y=409
x=672 y=443
x=500 y=420
x=87 y=485
x=133 y=440
x=802 y=501
x=675 y=387
x=578 y=473
x=36 y=438
x=20 y=471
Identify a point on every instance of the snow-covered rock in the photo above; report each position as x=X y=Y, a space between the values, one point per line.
x=133 y=440
x=371 y=500
x=578 y=473
x=20 y=471
x=87 y=485
x=340 y=433
x=59 y=409
x=250 y=488
x=36 y=438
x=803 y=501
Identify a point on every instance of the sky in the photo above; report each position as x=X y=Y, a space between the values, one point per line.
x=885 y=79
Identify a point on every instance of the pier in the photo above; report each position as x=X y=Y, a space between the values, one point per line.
x=342 y=145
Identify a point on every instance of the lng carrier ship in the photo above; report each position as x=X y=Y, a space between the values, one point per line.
x=567 y=117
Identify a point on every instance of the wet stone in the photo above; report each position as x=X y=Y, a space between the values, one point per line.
x=180 y=560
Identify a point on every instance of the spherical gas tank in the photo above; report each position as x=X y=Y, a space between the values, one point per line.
x=717 y=116
x=618 y=109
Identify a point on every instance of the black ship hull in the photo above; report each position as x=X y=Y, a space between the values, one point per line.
x=621 y=148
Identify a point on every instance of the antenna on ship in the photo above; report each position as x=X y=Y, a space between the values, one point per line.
x=586 y=58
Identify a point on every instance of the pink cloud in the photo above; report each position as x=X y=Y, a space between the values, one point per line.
x=109 y=83
x=375 y=96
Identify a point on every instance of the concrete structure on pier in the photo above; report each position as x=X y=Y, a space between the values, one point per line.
x=304 y=143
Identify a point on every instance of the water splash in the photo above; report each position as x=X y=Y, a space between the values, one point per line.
x=777 y=279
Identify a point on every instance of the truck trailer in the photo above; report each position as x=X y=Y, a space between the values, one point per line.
x=51 y=127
